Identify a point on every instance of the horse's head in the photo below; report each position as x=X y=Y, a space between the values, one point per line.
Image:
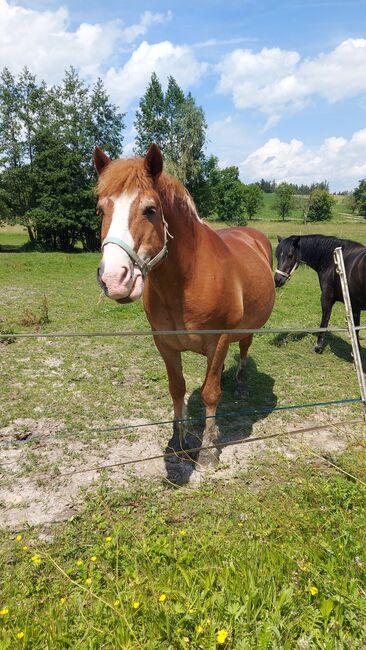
x=134 y=232
x=288 y=258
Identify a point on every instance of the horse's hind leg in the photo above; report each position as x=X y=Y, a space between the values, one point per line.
x=241 y=389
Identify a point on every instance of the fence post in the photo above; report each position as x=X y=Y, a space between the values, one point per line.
x=339 y=262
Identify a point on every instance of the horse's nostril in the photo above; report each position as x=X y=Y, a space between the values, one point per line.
x=124 y=272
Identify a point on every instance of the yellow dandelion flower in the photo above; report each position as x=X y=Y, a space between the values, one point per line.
x=4 y=611
x=88 y=581
x=135 y=604
x=79 y=562
x=25 y=548
x=199 y=629
x=192 y=610
x=19 y=538
x=108 y=539
x=221 y=636
x=162 y=598
x=117 y=603
x=240 y=524
x=62 y=600
x=182 y=532
x=36 y=559
x=313 y=590
x=93 y=558
x=20 y=635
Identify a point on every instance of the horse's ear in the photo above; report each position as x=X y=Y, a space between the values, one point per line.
x=279 y=238
x=154 y=162
x=101 y=160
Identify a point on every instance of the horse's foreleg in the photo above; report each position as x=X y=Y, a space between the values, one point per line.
x=177 y=389
x=327 y=303
x=357 y=320
x=241 y=386
x=211 y=393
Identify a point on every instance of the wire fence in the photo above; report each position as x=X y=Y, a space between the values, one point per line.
x=181 y=332
x=189 y=420
x=187 y=454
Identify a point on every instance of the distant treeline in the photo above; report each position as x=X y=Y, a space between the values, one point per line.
x=271 y=186
x=48 y=134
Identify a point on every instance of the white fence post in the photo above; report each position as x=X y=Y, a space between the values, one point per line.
x=339 y=262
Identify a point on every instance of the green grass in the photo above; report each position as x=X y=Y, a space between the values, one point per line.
x=280 y=567
x=303 y=522
x=89 y=382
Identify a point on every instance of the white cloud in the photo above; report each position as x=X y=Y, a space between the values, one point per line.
x=129 y=82
x=277 y=81
x=147 y=19
x=44 y=41
x=342 y=162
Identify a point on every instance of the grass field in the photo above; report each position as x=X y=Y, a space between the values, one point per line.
x=341 y=212
x=271 y=554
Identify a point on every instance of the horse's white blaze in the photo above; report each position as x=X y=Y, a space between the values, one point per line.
x=119 y=275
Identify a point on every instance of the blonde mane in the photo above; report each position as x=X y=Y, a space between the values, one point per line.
x=130 y=174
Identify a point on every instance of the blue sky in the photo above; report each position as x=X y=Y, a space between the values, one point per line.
x=282 y=84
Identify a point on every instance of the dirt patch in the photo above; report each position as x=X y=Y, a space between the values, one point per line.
x=44 y=472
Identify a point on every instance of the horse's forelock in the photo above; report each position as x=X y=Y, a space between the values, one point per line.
x=129 y=175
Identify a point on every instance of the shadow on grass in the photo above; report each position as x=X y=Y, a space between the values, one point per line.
x=283 y=339
x=343 y=349
x=235 y=417
x=338 y=345
x=28 y=247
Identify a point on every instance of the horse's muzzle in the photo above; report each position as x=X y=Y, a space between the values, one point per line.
x=280 y=280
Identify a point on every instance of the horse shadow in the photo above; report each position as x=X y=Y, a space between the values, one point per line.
x=235 y=419
x=287 y=337
x=343 y=349
x=338 y=345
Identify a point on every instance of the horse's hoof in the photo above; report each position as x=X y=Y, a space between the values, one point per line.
x=207 y=459
x=318 y=349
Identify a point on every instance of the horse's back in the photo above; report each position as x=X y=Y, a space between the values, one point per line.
x=355 y=265
x=242 y=236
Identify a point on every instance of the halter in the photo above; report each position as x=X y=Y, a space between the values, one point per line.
x=145 y=267
x=288 y=275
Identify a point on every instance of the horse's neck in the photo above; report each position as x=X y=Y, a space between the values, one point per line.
x=185 y=229
x=312 y=254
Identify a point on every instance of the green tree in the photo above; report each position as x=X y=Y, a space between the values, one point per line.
x=47 y=136
x=228 y=194
x=253 y=199
x=151 y=119
x=174 y=108
x=359 y=195
x=22 y=107
x=178 y=126
x=283 y=204
x=320 y=205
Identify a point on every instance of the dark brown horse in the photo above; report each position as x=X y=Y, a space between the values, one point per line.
x=191 y=277
x=317 y=252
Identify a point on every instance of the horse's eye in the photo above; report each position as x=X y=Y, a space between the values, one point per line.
x=149 y=211
x=290 y=256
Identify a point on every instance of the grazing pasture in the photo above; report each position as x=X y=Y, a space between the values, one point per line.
x=270 y=550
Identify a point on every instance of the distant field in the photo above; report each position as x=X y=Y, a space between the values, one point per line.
x=13 y=236
x=340 y=210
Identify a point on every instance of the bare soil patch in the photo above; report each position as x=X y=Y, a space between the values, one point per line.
x=42 y=470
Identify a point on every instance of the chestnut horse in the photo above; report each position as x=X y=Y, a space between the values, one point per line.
x=191 y=277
